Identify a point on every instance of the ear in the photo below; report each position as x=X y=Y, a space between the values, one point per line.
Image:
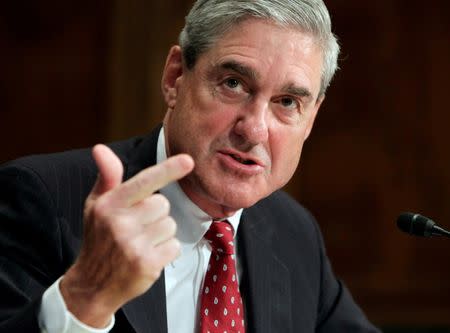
x=172 y=71
x=315 y=110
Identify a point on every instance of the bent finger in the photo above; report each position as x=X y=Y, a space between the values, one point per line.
x=150 y=210
x=168 y=251
x=160 y=231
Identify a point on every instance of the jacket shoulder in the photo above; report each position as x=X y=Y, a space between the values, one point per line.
x=65 y=177
x=288 y=213
x=78 y=158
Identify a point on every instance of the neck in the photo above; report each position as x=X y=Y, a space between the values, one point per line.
x=213 y=209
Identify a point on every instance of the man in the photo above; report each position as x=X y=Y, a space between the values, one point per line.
x=242 y=90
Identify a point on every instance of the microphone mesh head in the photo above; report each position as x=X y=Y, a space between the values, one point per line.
x=415 y=224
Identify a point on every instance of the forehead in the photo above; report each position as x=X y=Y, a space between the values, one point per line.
x=282 y=55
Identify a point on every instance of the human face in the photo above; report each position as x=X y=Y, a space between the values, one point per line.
x=242 y=113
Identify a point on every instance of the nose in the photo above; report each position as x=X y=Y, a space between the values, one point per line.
x=251 y=124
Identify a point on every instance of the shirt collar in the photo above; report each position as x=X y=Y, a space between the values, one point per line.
x=192 y=221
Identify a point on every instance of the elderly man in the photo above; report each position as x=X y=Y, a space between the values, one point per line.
x=185 y=230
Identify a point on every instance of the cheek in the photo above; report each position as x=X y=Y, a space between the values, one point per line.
x=212 y=118
x=286 y=149
x=209 y=122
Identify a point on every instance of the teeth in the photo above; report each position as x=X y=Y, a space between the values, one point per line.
x=237 y=158
x=240 y=160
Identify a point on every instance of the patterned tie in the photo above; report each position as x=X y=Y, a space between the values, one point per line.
x=221 y=303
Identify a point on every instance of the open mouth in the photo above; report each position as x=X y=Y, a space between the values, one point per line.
x=243 y=161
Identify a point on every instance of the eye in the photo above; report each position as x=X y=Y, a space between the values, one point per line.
x=288 y=102
x=232 y=89
x=232 y=83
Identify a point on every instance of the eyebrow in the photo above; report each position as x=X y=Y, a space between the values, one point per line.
x=298 y=91
x=240 y=69
x=252 y=74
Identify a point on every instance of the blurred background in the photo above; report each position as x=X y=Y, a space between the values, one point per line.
x=74 y=73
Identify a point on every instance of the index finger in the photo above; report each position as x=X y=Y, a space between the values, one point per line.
x=151 y=179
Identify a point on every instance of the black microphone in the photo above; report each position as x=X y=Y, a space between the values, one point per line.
x=419 y=225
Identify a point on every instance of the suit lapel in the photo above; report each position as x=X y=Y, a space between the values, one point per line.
x=266 y=280
x=143 y=155
x=147 y=313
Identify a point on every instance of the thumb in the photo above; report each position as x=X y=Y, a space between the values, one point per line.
x=110 y=170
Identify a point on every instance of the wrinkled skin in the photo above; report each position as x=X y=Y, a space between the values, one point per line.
x=242 y=114
x=254 y=94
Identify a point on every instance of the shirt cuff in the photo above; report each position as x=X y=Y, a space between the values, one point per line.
x=54 y=317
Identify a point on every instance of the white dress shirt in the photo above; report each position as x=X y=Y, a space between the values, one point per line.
x=183 y=277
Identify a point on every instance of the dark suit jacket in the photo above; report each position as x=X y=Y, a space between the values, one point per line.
x=287 y=282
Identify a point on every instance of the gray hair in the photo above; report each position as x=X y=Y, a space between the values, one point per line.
x=208 y=20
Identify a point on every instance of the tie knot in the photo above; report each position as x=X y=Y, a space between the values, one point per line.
x=220 y=237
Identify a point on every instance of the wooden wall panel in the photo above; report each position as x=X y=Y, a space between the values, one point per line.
x=52 y=75
x=379 y=148
x=142 y=33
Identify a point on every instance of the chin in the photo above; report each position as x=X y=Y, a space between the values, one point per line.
x=227 y=208
x=228 y=195
x=237 y=199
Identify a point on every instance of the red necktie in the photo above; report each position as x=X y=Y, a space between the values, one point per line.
x=221 y=303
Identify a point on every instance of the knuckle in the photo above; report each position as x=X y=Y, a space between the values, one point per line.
x=100 y=208
x=118 y=227
x=134 y=257
x=170 y=225
x=172 y=250
x=155 y=274
x=176 y=246
x=161 y=202
x=138 y=180
x=153 y=265
x=135 y=184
